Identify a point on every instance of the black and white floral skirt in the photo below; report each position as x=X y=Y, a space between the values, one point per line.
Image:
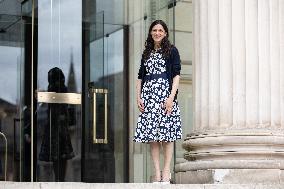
x=154 y=125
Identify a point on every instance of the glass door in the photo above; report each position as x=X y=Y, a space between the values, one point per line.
x=180 y=26
x=57 y=126
x=80 y=121
x=98 y=157
x=179 y=23
x=75 y=85
x=158 y=10
x=13 y=45
x=182 y=32
x=104 y=102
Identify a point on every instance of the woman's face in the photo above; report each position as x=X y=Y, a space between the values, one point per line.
x=158 y=33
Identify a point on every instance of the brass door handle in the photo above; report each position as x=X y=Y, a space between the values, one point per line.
x=95 y=139
x=63 y=98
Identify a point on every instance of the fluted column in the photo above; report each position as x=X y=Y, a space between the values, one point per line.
x=238 y=86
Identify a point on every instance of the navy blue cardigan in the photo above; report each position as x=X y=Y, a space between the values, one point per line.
x=173 y=68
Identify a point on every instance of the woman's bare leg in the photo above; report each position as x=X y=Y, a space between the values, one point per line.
x=155 y=153
x=168 y=153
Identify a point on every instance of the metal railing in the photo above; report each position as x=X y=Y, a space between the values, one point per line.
x=6 y=153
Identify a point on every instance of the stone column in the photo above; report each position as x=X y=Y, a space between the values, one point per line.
x=238 y=134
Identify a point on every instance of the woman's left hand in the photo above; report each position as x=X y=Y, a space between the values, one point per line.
x=168 y=105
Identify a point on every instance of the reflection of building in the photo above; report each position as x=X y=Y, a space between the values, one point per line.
x=8 y=122
x=71 y=79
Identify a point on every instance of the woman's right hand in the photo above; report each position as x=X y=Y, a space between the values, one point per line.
x=140 y=105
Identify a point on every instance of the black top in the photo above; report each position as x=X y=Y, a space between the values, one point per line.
x=173 y=68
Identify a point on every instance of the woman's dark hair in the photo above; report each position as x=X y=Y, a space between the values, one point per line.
x=56 y=80
x=165 y=43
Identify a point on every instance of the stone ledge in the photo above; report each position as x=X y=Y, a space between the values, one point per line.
x=70 y=185
x=234 y=146
x=229 y=164
x=231 y=176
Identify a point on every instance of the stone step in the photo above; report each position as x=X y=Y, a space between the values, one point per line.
x=76 y=185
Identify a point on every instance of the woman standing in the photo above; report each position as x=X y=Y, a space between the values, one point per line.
x=159 y=122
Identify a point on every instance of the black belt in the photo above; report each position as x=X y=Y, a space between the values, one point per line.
x=156 y=76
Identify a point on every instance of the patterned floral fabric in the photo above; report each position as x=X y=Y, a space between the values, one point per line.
x=154 y=124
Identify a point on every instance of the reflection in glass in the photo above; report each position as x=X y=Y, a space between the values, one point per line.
x=59 y=46
x=58 y=43
x=56 y=144
x=59 y=39
x=105 y=58
x=11 y=53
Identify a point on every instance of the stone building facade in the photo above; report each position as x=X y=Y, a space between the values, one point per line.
x=238 y=84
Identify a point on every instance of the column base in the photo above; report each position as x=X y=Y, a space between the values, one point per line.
x=231 y=176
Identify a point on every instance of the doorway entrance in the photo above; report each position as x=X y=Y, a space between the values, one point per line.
x=71 y=36
x=71 y=123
